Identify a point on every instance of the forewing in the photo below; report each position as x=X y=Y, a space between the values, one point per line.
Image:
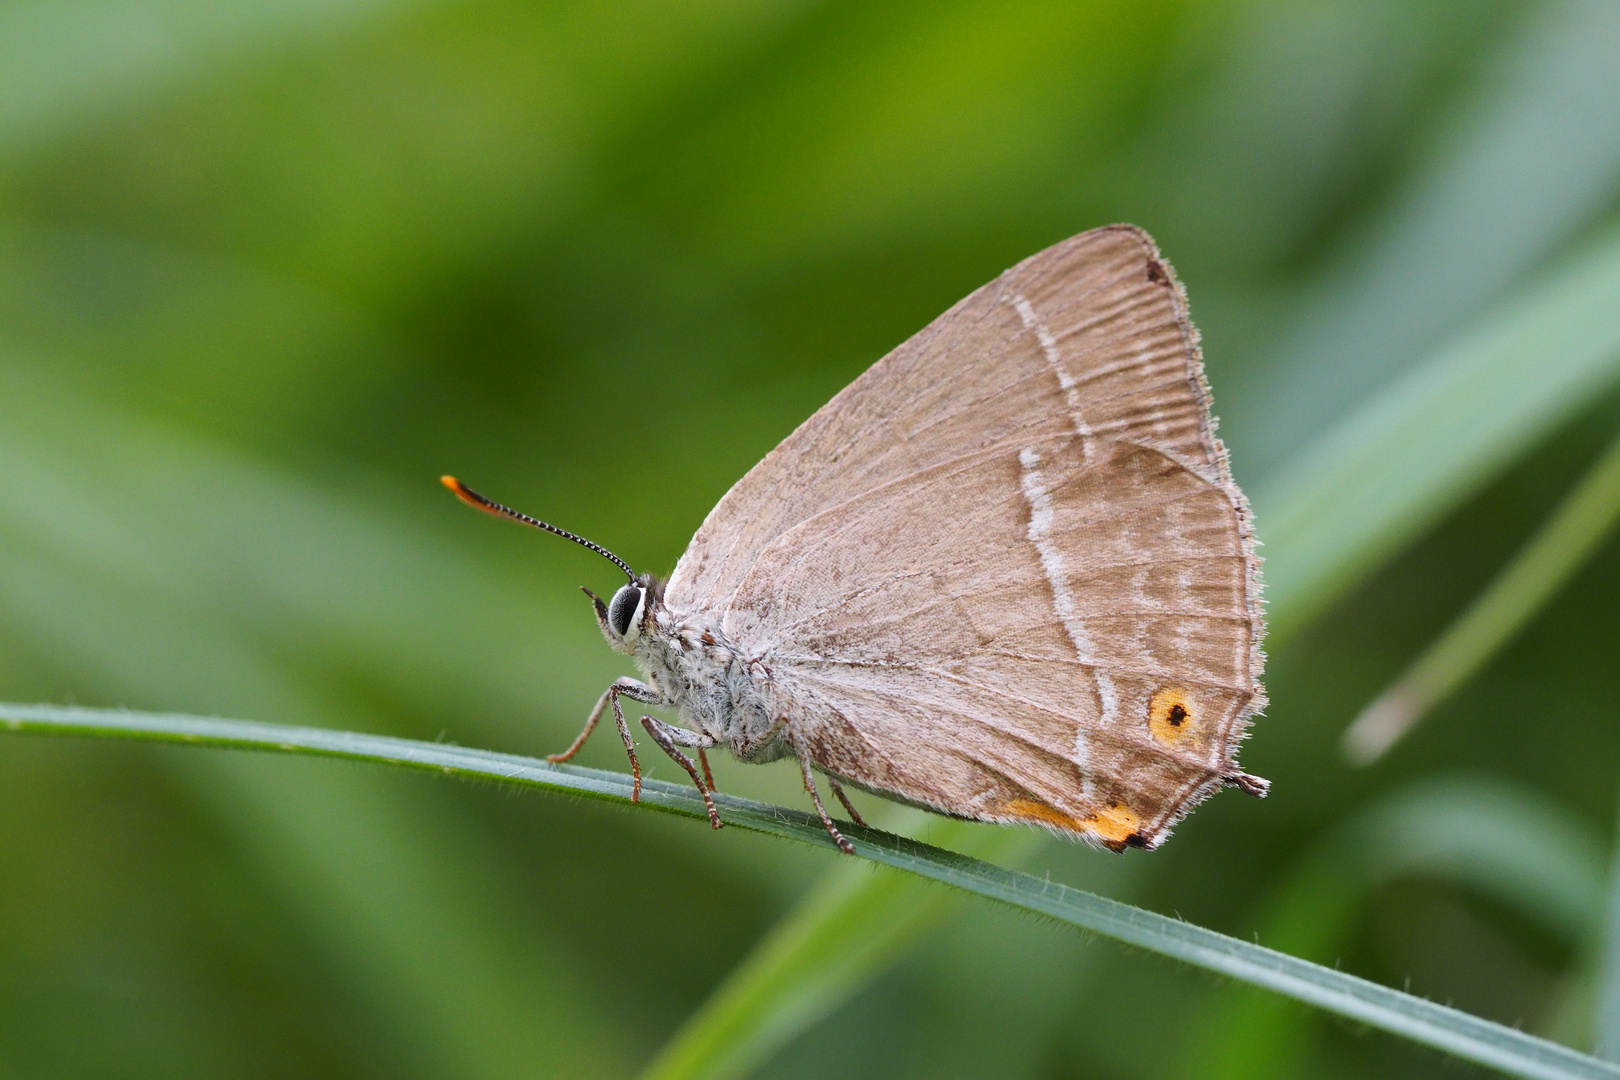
x=1054 y=629
x=1089 y=337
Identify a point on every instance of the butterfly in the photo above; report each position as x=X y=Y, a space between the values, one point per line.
x=1004 y=575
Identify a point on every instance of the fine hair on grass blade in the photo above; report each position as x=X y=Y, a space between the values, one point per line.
x=1455 y=1032
x=1524 y=587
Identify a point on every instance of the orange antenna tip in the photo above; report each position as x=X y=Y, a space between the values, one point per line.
x=473 y=499
x=490 y=506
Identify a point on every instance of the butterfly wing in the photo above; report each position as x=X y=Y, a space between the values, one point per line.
x=1070 y=645
x=1005 y=574
x=1089 y=336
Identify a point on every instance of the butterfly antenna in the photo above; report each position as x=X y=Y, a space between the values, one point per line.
x=490 y=506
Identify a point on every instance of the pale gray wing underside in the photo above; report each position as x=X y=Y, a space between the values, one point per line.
x=1089 y=336
x=940 y=632
x=1024 y=658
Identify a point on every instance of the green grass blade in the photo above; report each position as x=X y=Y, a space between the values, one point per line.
x=1401 y=460
x=1516 y=846
x=848 y=929
x=1458 y=1033
x=1606 y=1020
x=1536 y=574
x=1432 y=437
x=1529 y=159
x=850 y=925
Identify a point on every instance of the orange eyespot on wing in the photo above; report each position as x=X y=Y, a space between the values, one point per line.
x=1170 y=715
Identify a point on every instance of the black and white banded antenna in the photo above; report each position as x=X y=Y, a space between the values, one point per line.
x=490 y=506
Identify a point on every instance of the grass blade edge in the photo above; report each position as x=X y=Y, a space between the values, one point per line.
x=1417 y=1019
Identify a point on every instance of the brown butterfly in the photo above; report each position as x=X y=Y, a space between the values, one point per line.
x=1004 y=575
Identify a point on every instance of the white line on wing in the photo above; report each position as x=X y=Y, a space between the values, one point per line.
x=1049 y=349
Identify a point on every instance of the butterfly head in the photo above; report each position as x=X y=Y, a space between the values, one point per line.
x=628 y=617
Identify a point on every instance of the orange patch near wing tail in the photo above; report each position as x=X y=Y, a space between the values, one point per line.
x=1041 y=814
x=1117 y=827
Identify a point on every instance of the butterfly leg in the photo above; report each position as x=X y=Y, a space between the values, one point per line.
x=815 y=796
x=629 y=749
x=708 y=774
x=626 y=687
x=636 y=692
x=666 y=736
x=838 y=790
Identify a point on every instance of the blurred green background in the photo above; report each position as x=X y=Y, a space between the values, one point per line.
x=269 y=267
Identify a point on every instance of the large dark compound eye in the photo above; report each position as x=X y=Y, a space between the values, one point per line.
x=623 y=612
